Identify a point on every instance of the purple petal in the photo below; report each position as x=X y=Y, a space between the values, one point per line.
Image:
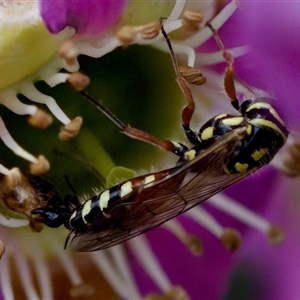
x=280 y=265
x=273 y=61
x=88 y=17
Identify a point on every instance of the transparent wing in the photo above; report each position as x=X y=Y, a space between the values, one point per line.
x=186 y=186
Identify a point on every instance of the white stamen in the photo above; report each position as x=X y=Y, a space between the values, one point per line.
x=172 y=26
x=25 y=275
x=42 y=271
x=13 y=223
x=57 y=79
x=205 y=33
x=29 y=90
x=10 y=100
x=240 y=212
x=203 y=218
x=66 y=261
x=176 y=12
x=5 y=278
x=109 y=270
x=119 y=256
x=142 y=251
x=70 y=67
x=103 y=263
x=192 y=242
x=206 y=59
x=4 y=170
x=86 y=48
x=11 y=144
x=179 y=49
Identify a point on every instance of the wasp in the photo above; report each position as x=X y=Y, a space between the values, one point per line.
x=226 y=149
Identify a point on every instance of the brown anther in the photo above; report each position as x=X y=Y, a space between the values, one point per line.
x=42 y=166
x=275 y=235
x=175 y=293
x=70 y=130
x=150 y=30
x=290 y=169
x=192 y=75
x=82 y=291
x=35 y=226
x=194 y=244
x=192 y=19
x=231 y=239
x=2 y=249
x=68 y=52
x=14 y=178
x=78 y=81
x=40 y=119
x=127 y=34
x=291 y=161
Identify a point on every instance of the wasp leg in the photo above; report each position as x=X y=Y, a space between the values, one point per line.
x=174 y=147
x=189 y=109
x=229 y=73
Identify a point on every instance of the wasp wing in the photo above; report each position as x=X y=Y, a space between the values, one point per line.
x=184 y=187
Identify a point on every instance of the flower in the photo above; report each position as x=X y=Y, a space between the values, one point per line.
x=197 y=276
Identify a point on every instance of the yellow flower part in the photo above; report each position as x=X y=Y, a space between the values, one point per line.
x=25 y=43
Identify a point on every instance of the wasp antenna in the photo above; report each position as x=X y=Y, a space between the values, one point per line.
x=84 y=164
x=105 y=111
x=70 y=185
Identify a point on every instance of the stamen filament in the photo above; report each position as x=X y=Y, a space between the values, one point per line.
x=25 y=275
x=121 y=260
x=11 y=144
x=33 y=94
x=13 y=223
x=206 y=59
x=205 y=33
x=94 y=51
x=107 y=267
x=203 y=218
x=192 y=242
x=176 y=11
x=240 y=212
x=4 y=170
x=57 y=79
x=5 y=279
x=274 y=233
x=42 y=271
x=69 y=266
x=230 y=238
x=179 y=49
x=140 y=247
x=10 y=100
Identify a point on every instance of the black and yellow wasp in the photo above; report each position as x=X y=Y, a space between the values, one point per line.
x=226 y=149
